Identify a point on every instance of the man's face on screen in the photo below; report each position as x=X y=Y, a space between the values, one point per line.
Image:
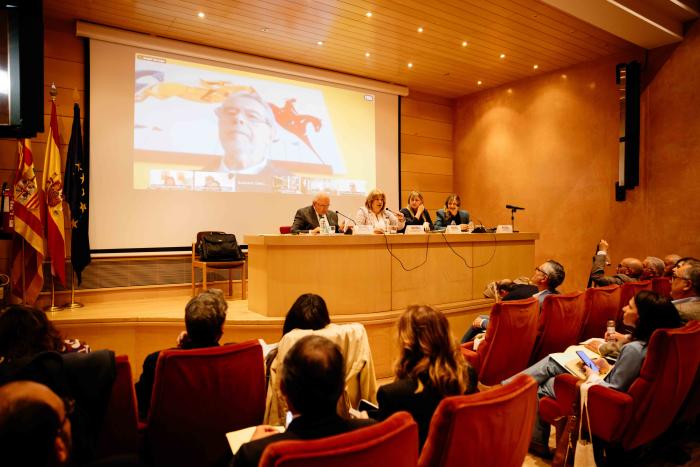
x=244 y=131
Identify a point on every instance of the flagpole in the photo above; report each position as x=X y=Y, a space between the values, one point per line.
x=24 y=281
x=53 y=306
x=73 y=303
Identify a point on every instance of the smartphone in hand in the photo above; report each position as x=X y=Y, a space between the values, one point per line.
x=587 y=361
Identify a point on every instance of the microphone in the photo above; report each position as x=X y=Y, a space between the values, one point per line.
x=514 y=208
x=348 y=218
x=393 y=212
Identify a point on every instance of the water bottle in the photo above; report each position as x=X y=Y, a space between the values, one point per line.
x=323 y=225
x=610 y=331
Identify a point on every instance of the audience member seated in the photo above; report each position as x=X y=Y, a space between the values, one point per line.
x=430 y=367
x=205 y=315
x=652 y=267
x=27 y=331
x=670 y=263
x=545 y=281
x=646 y=312
x=308 y=219
x=415 y=213
x=376 y=214
x=451 y=214
x=629 y=269
x=685 y=290
x=312 y=381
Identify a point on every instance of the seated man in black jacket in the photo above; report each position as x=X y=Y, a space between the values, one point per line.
x=312 y=381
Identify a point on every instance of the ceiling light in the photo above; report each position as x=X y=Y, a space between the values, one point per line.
x=410 y=64
x=264 y=29
x=420 y=29
x=367 y=54
x=320 y=42
x=464 y=43
x=368 y=14
x=200 y=14
x=479 y=83
x=535 y=67
x=502 y=56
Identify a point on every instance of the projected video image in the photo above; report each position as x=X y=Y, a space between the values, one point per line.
x=204 y=128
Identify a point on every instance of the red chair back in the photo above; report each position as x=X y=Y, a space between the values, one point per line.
x=667 y=374
x=497 y=424
x=661 y=285
x=560 y=323
x=508 y=343
x=119 y=433
x=198 y=396
x=285 y=229
x=627 y=291
x=393 y=442
x=602 y=304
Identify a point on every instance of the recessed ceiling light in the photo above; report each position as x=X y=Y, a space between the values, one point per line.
x=479 y=83
x=368 y=14
x=502 y=56
x=264 y=29
x=420 y=29
x=535 y=67
x=320 y=42
x=510 y=90
x=464 y=43
x=410 y=64
x=201 y=14
x=367 y=54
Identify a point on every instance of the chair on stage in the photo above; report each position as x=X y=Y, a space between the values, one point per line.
x=490 y=428
x=661 y=285
x=393 y=442
x=560 y=323
x=508 y=342
x=627 y=291
x=200 y=395
x=206 y=265
x=285 y=229
x=602 y=304
x=119 y=433
x=653 y=401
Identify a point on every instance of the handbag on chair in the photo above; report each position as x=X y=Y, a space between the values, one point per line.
x=219 y=246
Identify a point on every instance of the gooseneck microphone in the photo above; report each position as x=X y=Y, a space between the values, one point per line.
x=393 y=212
x=348 y=218
x=514 y=208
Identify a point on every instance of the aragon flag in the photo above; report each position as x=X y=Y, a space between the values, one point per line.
x=76 y=184
x=28 y=244
x=53 y=189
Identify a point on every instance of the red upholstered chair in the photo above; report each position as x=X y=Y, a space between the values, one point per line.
x=198 y=396
x=560 y=323
x=285 y=229
x=119 y=434
x=661 y=285
x=488 y=428
x=508 y=343
x=627 y=291
x=602 y=304
x=393 y=442
x=653 y=400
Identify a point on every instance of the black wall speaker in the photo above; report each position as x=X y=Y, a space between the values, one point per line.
x=627 y=77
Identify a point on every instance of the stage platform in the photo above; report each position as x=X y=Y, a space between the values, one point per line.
x=137 y=322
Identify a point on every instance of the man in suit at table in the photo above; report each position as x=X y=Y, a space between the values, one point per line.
x=312 y=381
x=309 y=218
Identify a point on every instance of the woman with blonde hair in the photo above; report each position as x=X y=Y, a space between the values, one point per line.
x=429 y=368
x=374 y=213
x=415 y=212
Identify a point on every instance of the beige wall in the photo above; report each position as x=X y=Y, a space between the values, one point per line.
x=426 y=148
x=549 y=144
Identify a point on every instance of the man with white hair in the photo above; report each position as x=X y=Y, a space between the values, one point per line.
x=308 y=219
x=652 y=267
x=685 y=290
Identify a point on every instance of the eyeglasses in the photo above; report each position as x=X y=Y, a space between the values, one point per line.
x=540 y=270
x=675 y=276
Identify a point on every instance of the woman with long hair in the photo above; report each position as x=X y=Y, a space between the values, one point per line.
x=451 y=214
x=415 y=212
x=429 y=368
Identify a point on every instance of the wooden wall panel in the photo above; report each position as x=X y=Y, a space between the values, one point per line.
x=424 y=127
x=429 y=146
x=426 y=164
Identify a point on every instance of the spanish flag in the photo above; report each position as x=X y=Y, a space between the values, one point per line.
x=53 y=188
x=28 y=244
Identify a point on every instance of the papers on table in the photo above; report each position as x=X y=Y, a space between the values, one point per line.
x=238 y=438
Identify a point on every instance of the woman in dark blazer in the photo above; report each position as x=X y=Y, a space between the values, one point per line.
x=430 y=367
x=452 y=214
x=415 y=213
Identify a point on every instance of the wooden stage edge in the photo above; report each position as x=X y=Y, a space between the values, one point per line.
x=138 y=322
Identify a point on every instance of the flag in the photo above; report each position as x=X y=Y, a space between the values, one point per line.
x=53 y=189
x=28 y=244
x=77 y=191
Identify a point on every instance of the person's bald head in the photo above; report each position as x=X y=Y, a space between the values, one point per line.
x=669 y=263
x=632 y=267
x=34 y=427
x=321 y=203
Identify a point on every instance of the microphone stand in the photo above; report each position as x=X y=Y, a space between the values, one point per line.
x=512 y=219
x=348 y=230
